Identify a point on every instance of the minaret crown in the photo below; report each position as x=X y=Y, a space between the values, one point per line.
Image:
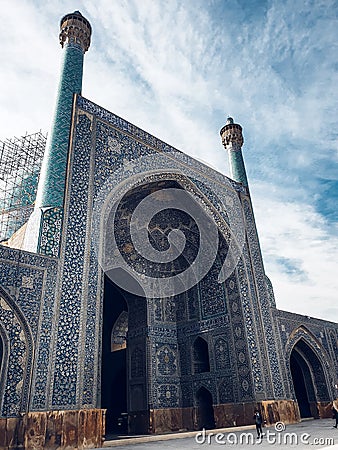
x=75 y=29
x=231 y=134
x=232 y=139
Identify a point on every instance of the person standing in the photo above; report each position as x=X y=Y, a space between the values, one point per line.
x=258 y=422
x=335 y=414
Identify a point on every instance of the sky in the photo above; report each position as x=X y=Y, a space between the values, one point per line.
x=178 y=70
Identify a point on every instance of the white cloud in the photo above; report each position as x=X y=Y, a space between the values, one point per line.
x=176 y=69
x=300 y=256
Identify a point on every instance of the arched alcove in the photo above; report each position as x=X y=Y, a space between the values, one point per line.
x=308 y=378
x=200 y=356
x=16 y=357
x=204 y=409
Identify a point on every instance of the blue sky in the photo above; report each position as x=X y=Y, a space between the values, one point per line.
x=178 y=69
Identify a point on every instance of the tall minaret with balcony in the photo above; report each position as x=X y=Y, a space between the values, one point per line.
x=75 y=34
x=232 y=139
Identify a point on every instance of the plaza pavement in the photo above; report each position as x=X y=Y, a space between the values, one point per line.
x=309 y=434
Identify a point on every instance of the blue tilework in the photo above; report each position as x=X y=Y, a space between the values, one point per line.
x=27 y=282
x=237 y=167
x=52 y=179
x=56 y=304
x=81 y=301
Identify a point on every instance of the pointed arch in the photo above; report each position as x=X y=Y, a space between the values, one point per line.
x=115 y=205
x=302 y=332
x=200 y=355
x=309 y=371
x=119 y=332
x=204 y=412
x=334 y=344
x=17 y=356
x=106 y=207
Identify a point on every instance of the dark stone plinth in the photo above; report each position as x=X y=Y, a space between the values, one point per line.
x=171 y=419
x=234 y=414
x=226 y=415
x=11 y=433
x=285 y=411
x=167 y=420
x=139 y=422
x=53 y=430
x=238 y=414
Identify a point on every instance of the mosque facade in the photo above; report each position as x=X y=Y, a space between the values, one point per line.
x=137 y=300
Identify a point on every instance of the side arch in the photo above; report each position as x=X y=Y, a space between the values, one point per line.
x=302 y=332
x=334 y=344
x=310 y=372
x=17 y=358
x=204 y=411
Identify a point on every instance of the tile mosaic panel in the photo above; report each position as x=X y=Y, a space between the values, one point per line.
x=29 y=281
x=53 y=172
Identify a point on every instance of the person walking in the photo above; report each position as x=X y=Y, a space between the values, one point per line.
x=258 y=422
x=335 y=413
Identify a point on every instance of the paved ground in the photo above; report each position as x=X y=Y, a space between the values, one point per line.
x=309 y=434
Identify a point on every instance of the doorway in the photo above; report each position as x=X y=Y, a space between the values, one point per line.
x=299 y=375
x=114 y=359
x=204 y=409
x=309 y=379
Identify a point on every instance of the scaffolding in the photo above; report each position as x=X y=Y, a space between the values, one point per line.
x=20 y=164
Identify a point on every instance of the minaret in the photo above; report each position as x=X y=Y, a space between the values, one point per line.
x=75 y=33
x=232 y=139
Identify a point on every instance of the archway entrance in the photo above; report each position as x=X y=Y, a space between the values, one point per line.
x=204 y=409
x=114 y=371
x=308 y=379
x=302 y=383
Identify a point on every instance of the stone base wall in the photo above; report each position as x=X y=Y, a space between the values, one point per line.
x=11 y=433
x=234 y=414
x=171 y=419
x=237 y=414
x=226 y=415
x=53 y=430
x=285 y=411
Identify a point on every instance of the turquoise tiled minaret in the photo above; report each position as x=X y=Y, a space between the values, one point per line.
x=75 y=33
x=232 y=139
